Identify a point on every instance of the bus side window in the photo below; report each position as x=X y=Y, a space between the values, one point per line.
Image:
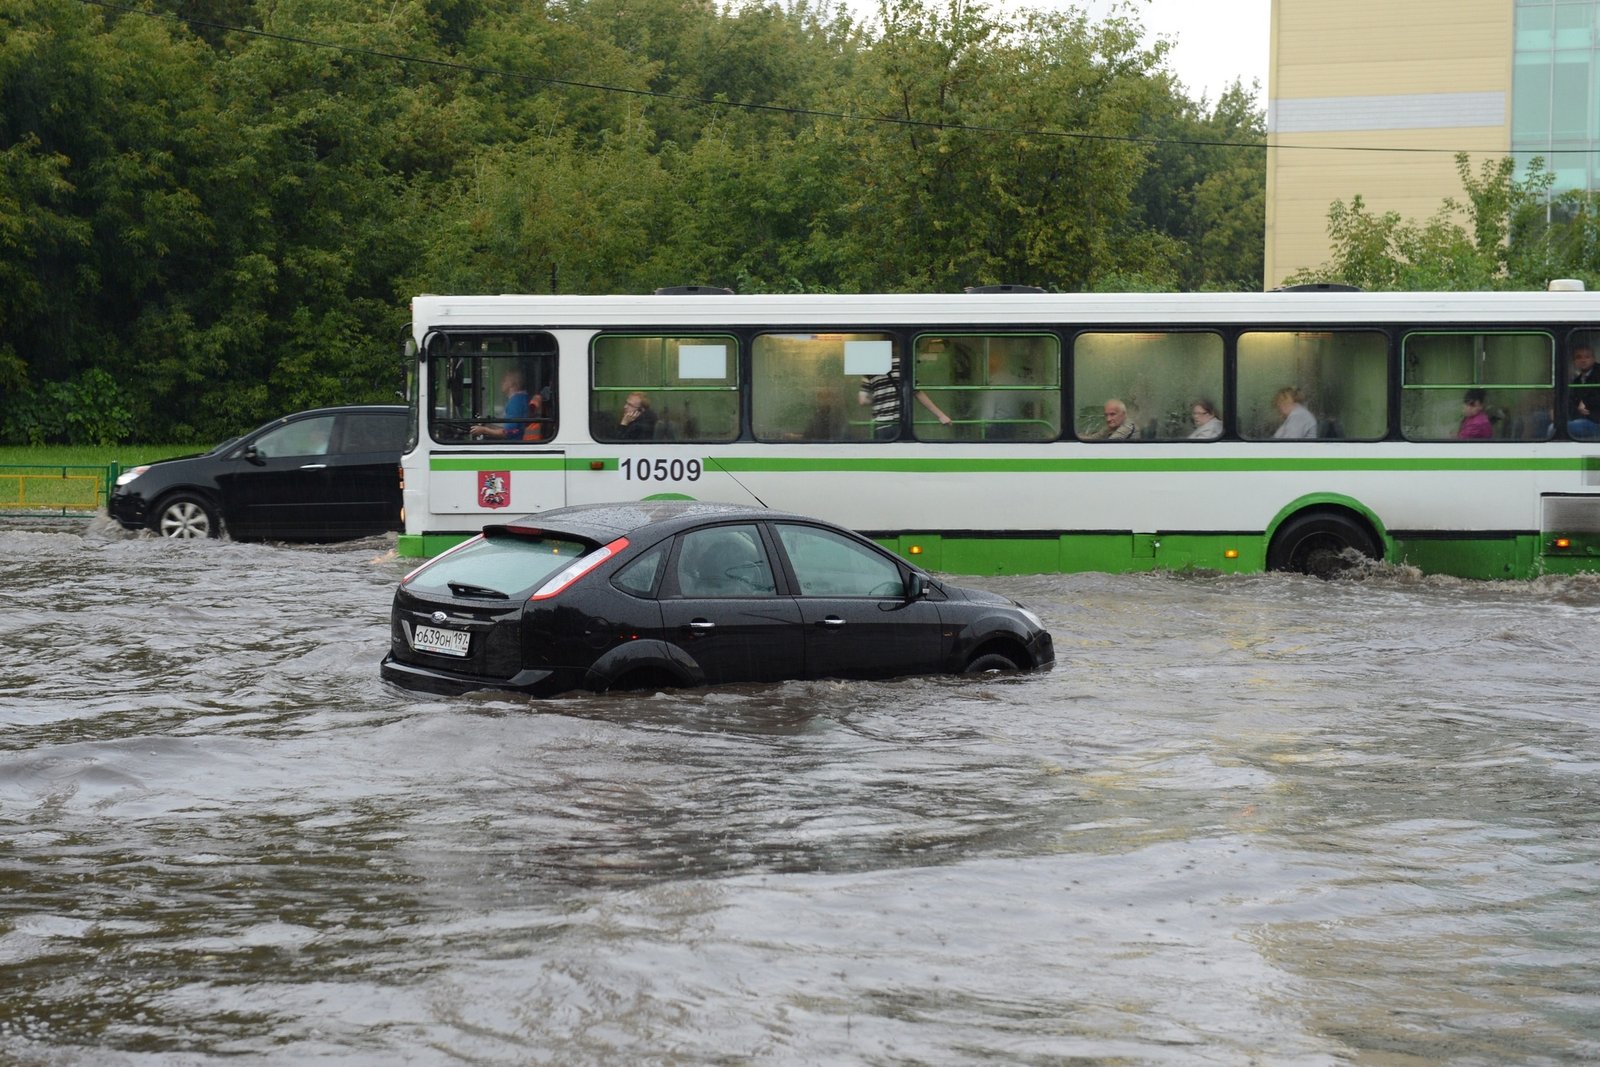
x=993 y=387
x=1155 y=376
x=803 y=390
x=1321 y=383
x=1505 y=376
x=688 y=384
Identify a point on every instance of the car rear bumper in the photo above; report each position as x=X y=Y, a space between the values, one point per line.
x=433 y=680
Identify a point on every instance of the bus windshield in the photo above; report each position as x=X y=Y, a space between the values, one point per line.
x=492 y=388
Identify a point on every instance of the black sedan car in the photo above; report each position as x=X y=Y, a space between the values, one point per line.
x=686 y=593
x=321 y=475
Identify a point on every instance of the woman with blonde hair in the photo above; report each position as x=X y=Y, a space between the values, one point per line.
x=1298 y=422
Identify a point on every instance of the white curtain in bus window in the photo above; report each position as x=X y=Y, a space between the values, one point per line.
x=1313 y=383
x=1461 y=386
x=659 y=388
x=703 y=361
x=808 y=387
x=1155 y=377
x=868 y=357
x=993 y=387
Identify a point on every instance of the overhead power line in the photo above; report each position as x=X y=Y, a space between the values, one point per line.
x=737 y=105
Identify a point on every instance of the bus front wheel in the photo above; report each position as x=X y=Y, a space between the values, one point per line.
x=1321 y=544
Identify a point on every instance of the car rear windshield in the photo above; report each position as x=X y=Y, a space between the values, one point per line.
x=503 y=565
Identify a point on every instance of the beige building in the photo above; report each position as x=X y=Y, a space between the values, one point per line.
x=1374 y=98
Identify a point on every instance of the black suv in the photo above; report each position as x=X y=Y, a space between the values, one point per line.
x=685 y=593
x=320 y=475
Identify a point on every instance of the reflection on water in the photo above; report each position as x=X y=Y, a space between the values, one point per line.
x=1247 y=819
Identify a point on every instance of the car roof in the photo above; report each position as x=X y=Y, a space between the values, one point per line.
x=608 y=521
x=341 y=409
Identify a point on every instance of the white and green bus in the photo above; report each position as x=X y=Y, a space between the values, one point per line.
x=1007 y=431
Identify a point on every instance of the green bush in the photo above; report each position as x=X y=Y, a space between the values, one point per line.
x=85 y=410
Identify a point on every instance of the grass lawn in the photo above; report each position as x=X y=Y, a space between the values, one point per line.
x=91 y=455
x=69 y=478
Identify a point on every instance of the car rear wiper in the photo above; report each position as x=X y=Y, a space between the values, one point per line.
x=480 y=591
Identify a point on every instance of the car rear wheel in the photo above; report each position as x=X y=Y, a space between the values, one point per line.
x=187 y=516
x=990 y=662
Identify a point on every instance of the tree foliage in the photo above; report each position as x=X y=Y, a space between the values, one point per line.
x=216 y=211
x=1504 y=233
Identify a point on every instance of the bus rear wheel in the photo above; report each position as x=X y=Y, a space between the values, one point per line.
x=1320 y=544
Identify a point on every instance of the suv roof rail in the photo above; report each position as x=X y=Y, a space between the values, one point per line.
x=977 y=290
x=693 y=290
x=1318 y=287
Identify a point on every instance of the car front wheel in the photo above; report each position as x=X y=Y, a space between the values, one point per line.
x=186 y=515
x=990 y=661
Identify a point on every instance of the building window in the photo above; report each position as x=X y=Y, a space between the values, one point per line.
x=1555 y=95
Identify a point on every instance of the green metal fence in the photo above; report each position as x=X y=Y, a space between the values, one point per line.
x=30 y=489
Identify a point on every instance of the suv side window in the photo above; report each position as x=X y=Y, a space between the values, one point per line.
x=371 y=432
x=307 y=437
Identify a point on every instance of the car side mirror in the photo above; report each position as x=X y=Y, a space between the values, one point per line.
x=917 y=586
x=253 y=455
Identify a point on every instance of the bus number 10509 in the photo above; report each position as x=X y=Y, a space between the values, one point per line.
x=659 y=470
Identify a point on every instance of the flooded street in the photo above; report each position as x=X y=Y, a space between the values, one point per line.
x=1253 y=819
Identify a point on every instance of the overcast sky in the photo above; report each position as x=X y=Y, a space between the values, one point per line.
x=1215 y=41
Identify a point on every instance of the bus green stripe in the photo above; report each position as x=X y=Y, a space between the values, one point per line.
x=501 y=463
x=998 y=465
x=1109 y=465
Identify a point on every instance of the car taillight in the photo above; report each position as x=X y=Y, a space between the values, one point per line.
x=577 y=569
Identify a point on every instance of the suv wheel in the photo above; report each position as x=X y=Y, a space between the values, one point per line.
x=185 y=515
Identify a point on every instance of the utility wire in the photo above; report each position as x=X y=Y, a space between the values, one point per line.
x=692 y=101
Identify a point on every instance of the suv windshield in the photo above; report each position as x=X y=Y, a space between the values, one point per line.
x=497 y=566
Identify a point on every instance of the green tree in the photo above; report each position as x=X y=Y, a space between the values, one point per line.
x=1004 y=152
x=1505 y=234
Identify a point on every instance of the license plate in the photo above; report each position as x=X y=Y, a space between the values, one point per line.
x=444 y=642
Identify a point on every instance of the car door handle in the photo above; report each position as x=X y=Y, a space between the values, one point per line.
x=313 y=466
x=701 y=626
x=833 y=622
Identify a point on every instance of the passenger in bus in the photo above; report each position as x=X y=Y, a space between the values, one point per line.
x=518 y=409
x=1298 y=422
x=1117 y=427
x=1475 y=422
x=882 y=391
x=827 y=420
x=1583 y=421
x=637 y=422
x=1207 y=426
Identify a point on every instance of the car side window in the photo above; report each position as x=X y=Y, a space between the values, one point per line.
x=639 y=577
x=826 y=564
x=724 y=561
x=364 y=432
x=307 y=437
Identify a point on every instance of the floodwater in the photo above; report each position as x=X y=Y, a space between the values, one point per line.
x=1245 y=820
